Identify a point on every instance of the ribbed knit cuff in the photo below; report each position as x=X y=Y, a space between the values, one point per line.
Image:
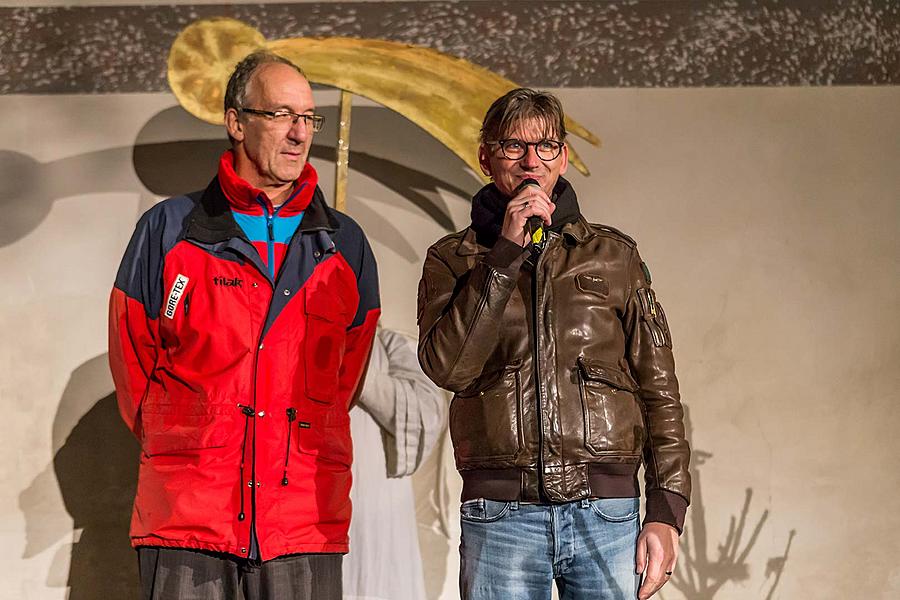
x=666 y=507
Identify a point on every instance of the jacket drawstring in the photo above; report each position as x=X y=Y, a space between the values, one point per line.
x=248 y=413
x=291 y=415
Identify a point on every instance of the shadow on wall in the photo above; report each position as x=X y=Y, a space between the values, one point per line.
x=698 y=577
x=85 y=493
x=95 y=469
x=28 y=188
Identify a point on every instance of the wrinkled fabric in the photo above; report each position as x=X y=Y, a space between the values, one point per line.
x=395 y=425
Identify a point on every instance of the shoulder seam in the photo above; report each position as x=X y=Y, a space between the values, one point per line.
x=609 y=231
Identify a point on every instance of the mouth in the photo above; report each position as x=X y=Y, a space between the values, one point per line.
x=525 y=176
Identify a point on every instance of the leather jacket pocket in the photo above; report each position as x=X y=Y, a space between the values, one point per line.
x=613 y=419
x=653 y=314
x=486 y=421
x=325 y=342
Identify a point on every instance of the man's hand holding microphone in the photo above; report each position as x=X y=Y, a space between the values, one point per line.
x=526 y=212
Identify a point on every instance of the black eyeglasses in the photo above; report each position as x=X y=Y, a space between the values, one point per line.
x=283 y=117
x=514 y=149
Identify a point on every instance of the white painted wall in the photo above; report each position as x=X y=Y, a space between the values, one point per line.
x=769 y=218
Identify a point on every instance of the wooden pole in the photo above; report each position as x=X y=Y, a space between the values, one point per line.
x=342 y=167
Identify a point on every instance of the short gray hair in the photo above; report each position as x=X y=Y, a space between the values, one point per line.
x=236 y=92
x=522 y=104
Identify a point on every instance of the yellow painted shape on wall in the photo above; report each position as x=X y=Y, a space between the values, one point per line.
x=445 y=95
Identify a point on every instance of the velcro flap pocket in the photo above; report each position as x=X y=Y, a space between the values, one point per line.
x=176 y=426
x=607 y=373
x=327 y=305
x=325 y=435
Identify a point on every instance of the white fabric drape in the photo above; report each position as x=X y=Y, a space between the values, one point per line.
x=400 y=417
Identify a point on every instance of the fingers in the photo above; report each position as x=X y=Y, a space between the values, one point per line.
x=655 y=576
x=641 y=558
x=530 y=202
x=657 y=553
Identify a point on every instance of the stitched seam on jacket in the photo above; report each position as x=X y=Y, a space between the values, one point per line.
x=481 y=302
x=653 y=456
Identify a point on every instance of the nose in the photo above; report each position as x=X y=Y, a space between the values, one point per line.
x=299 y=132
x=531 y=159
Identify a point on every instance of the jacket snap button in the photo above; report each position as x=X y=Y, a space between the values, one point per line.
x=317 y=254
x=261 y=413
x=254 y=284
x=261 y=346
x=243 y=551
x=287 y=292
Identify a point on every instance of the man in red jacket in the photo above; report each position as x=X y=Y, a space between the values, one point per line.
x=240 y=326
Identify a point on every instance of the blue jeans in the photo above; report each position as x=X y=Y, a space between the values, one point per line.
x=513 y=551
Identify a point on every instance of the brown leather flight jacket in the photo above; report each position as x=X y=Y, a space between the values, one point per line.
x=560 y=361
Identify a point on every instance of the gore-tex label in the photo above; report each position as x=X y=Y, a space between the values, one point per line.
x=175 y=295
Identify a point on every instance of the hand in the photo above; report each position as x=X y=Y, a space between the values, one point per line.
x=531 y=201
x=657 y=551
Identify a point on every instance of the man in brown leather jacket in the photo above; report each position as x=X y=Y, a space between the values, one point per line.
x=547 y=330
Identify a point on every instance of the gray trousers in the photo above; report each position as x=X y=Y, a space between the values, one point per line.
x=179 y=574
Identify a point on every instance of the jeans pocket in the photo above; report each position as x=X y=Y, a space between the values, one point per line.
x=616 y=510
x=481 y=510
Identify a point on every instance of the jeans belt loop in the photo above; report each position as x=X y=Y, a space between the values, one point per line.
x=585 y=503
x=514 y=505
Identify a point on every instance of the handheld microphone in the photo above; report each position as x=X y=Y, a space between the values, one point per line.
x=535 y=224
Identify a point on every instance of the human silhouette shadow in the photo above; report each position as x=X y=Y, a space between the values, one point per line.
x=92 y=476
x=95 y=469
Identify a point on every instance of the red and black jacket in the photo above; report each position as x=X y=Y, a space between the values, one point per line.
x=237 y=385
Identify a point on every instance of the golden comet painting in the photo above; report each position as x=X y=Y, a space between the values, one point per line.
x=444 y=95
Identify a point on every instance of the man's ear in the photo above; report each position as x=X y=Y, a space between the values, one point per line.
x=484 y=159
x=565 y=160
x=233 y=125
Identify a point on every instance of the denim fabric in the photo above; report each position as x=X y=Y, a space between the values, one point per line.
x=513 y=551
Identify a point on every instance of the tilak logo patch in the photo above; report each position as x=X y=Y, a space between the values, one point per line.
x=228 y=281
x=175 y=295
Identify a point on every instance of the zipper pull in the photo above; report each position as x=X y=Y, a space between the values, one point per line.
x=291 y=416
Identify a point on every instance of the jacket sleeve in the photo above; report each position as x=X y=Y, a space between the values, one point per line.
x=453 y=310
x=133 y=319
x=408 y=407
x=361 y=331
x=649 y=353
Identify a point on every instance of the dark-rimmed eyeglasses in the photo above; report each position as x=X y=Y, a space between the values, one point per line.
x=514 y=149
x=283 y=117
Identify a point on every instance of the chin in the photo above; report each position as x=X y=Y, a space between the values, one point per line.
x=291 y=174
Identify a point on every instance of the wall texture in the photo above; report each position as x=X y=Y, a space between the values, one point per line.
x=766 y=203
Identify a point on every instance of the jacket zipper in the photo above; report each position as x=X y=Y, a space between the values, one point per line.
x=270 y=236
x=270 y=228
x=253 y=483
x=537 y=366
